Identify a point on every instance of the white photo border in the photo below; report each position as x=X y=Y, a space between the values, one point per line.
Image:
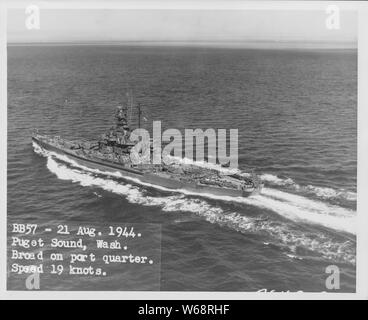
x=362 y=172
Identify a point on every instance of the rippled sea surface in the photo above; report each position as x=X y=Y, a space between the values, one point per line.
x=296 y=115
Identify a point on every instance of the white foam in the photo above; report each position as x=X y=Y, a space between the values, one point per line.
x=321 y=192
x=204 y=164
x=332 y=217
x=329 y=193
x=293 y=256
x=74 y=175
x=276 y=180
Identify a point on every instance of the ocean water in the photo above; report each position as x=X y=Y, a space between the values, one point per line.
x=296 y=112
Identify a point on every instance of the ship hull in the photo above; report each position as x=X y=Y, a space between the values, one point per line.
x=145 y=178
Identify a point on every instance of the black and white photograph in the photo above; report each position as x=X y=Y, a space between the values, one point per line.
x=182 y=149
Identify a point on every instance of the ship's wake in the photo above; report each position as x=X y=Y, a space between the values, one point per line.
x=323 y=193
x=294 y=239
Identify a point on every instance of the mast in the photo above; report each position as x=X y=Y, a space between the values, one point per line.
x=139 y=115
x=130 y=102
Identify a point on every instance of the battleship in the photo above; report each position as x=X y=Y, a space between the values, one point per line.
x=110 y=154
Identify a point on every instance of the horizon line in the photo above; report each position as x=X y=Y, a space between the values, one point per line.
x=298 y=44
